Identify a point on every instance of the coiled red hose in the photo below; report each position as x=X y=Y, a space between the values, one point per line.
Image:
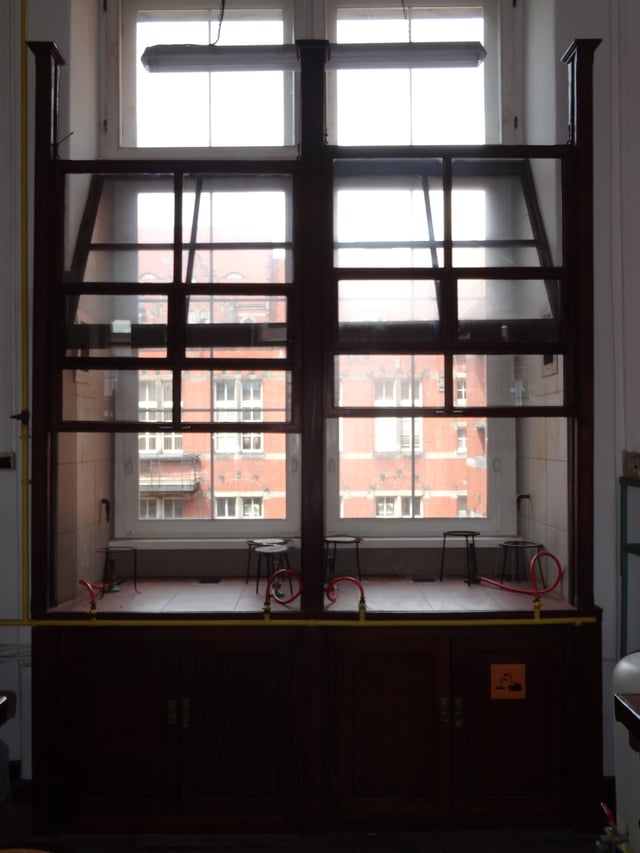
x=534 y=584
x=272 y=580
x=90 y=590
x=332 y=587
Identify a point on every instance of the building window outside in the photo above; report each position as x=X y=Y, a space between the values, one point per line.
x=238 y=400
x=461 y=438
x=160 y=508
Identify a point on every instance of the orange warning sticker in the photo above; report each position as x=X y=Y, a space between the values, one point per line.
x=508 y=681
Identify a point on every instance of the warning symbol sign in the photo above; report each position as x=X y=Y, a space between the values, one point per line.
x=508 y=681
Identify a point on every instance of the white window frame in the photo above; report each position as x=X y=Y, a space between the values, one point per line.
x=119 y=110
x=500 y=519
x=128 y=525
x=248 y=410
x=306 y=19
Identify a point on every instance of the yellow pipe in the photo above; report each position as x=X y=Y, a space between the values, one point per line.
x=24 y=308
x=576 y=621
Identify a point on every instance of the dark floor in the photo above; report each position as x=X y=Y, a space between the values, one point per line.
x=16 y=835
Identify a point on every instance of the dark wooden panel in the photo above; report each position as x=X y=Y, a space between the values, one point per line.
x=509 y=690
x=237 y=751
x=391 y=735
x=120 y=747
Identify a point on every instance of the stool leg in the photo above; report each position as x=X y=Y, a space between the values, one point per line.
x=539 y=565
x=330 y=564
x=248 y=573
x=358 y=561
x=504 y=564
x=444 y=543
x=472 y=567
x=258 y=571
x=287 y=565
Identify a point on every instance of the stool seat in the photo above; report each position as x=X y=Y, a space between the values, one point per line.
x=275 y=556
x=469 y=537
x=331 y=543
x=257 y=543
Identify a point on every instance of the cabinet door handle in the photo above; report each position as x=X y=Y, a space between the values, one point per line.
x=444 y=709
x=172 y=711
x=185 y=712
x=458 y=712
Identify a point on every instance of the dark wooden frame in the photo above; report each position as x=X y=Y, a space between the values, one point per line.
x=312 y=178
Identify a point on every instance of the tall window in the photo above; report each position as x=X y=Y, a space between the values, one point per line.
x=228 y=110
x=185 y=282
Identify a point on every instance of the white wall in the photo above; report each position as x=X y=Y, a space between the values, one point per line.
x=551 y=25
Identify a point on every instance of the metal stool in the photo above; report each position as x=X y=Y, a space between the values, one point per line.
x=517 y=550
x=257 y=543
x=331 y=543
x=276 y=557
x=470 y=549
x=109 y=580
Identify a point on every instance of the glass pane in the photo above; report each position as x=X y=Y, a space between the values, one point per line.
x=508 y=310
x=117 y=395
x=210 y=396
x=119 y=228
x=129 y=265
x=389 y=380
x=237 y=327
x=435 y=106
x=388 y=215
x=201 y=109
x=509 y=380
x=116 y=325
x=235 y=477
x=505 y=213
x=412 y=467
x=237 y=230
x=389 y=310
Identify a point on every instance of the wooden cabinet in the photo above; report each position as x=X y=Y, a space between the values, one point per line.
x=314 y=729
x=152 y=728
x=237 y=748
x=391 y=718
x=512 y=700
x=457 y=727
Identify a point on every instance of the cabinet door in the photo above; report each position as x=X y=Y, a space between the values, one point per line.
x=509 y=724
x=237 y=747
x=391 y=727
x=120 y=743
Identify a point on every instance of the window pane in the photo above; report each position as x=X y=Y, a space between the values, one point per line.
x=237 y=230
x=508 y=310
x=237 y=327
x=411 y=467
x=511 y=380
x=119 y=228
x=219 y=397
x=218 y=482
x=387 y=310
x=116 y=325
x=393 y=220
x=388 y=380
x=410 y=106
x=497 y=217
x=200 y=109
